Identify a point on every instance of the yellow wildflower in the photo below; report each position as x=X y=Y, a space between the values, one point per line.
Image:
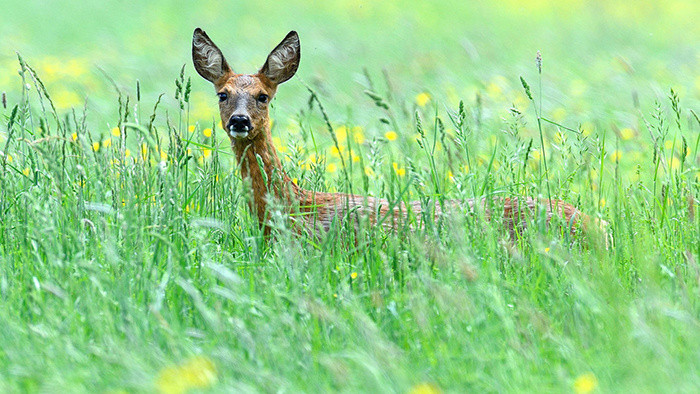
x=95 y=146
x=521 y=101
x=578 y=87
x=391 y=135
x=75 y=68
x=50 y=68
x=587 y=128
x=559 y=114
x=399 y=171
x=277 y=142
x=493 y=90
x=191 y=129
x=26 y=171
x=66 y=99
x=353 y=275
x=616 y=155
x=358 y=135
x=585 y=383
x=331 y=168
x=206 y=152
x=163 y=155
x=335 y=152
x=602 y=202
x=425 y=388
x=207 y=132
x=74 y=136
x=369 y=171
x=546 y=250
x=675 y=163
x=127 y=153
x=341 y=133
x=422 y=99
x=144 y=150
x=627 y=133
x=107 y=143
x=116 y=132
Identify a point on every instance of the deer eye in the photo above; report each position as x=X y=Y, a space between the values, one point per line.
x=222 y=96
x=263 y=98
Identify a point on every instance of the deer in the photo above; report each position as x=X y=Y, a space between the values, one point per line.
x=244 y=101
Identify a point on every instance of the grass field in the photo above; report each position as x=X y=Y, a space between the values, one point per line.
x=129 y=261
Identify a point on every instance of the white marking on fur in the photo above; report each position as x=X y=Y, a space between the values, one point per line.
x=238 y=134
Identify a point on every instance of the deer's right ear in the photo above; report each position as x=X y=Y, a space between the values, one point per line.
x=207 y=57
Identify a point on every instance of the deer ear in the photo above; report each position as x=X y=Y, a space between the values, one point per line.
x=207 y=57
x=282 y=63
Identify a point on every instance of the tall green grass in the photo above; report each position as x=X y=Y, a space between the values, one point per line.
x=130 y=261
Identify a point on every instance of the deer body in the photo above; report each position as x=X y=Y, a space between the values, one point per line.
x=243 y=105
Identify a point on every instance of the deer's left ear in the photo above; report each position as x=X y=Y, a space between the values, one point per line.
x=282 y=63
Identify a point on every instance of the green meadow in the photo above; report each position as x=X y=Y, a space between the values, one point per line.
x=130 y=262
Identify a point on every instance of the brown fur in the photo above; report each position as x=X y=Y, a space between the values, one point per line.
x=315 y=211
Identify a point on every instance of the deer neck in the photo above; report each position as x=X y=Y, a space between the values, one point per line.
x=269 y=183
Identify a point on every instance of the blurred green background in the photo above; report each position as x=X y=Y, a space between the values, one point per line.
x=596 y=54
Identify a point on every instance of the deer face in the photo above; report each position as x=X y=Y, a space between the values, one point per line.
x=243 y=102
x=244 y=98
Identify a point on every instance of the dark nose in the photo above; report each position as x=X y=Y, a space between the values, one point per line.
x=239 y=123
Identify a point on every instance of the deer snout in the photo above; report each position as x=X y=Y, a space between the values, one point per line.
x=239 y=126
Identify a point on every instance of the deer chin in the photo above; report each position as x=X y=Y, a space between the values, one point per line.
x=238 y=134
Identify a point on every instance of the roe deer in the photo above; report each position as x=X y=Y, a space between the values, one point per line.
x=243 y=104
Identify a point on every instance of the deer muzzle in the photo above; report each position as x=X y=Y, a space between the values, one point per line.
x=239 y=126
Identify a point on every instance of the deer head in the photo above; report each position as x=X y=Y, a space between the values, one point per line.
x=244 y=98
